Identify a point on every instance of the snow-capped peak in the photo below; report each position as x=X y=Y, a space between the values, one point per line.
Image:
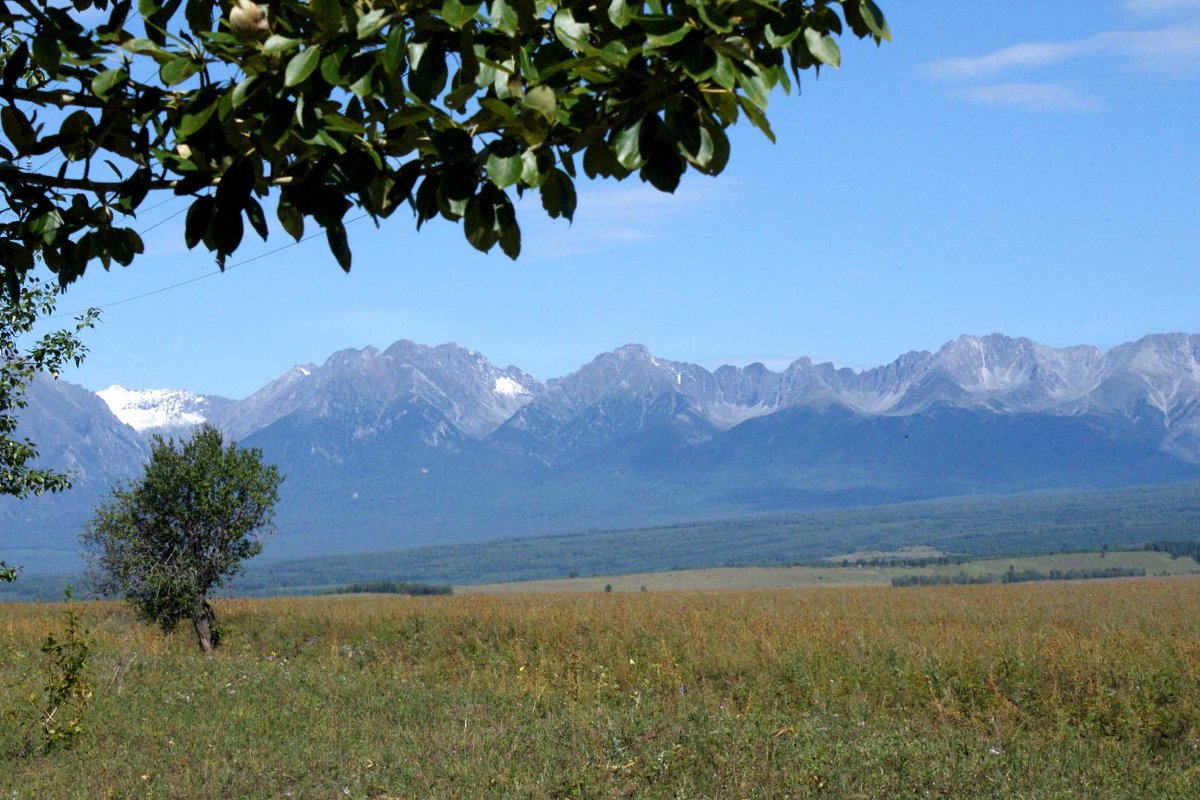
x=508 y=387
x=149 y=409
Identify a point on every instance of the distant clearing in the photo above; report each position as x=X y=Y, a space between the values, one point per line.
x=917 y=551
x=798 y=577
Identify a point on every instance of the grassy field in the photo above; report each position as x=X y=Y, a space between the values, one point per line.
x=799 y=577
x=1070 y=689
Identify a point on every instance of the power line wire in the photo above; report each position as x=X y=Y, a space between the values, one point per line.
x=160 y=290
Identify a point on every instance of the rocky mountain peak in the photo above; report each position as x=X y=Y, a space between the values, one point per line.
x=161 y=410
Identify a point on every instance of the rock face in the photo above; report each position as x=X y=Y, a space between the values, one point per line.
x=369 y=386
x=418 y=444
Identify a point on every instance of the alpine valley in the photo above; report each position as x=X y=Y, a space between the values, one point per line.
x=417 y=445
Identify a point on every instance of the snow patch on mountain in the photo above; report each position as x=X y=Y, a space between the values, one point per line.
x=161 y=410
x=146 y=409
x=507 y=386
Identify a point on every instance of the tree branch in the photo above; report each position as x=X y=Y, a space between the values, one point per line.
x=60 y=98
x=9 y=176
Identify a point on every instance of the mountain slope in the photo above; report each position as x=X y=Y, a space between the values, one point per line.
x=419 y=445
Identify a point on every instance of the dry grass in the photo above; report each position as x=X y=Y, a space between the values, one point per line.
x=1031 y=690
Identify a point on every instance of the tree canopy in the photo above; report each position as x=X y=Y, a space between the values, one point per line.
x=449 y=107
x=166 y=541
x=20 y=361
x=18 y=365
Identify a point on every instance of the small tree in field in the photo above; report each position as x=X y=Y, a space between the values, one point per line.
x=164 y=542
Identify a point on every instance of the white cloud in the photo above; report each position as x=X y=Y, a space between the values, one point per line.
x=1029 y=54
x=1029 y=96
x=1173 y=48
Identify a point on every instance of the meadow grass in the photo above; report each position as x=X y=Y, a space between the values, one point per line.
x=1084 y=689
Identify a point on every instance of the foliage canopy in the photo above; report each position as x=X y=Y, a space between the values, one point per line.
x=442 y=105
x=166 y=541
x=18 y=366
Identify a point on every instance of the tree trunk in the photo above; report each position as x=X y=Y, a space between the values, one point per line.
x=205 y=622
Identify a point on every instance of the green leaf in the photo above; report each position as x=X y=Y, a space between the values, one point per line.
x=504 y=171
x=16 y=127
x=47 y=52
x=198 y=218
x=757 y=118
x=558 y=195
x=875 y=20
x=479 y=223
x=178 y=70
x=627 y=146
x=47 y=225
x=503 y=16
x=107 y=81
x=427 y=69
x=615 y=54
x=291 y=220
x=76 y=133
x=370 y=24
x=258 y=220
x=225 y=232
x=328 y=15
x=193 y=121
x=756 y=86
x=663 y=31
x=364 y=86
x=453 y=145
x=393 y=51
x=664 y=167
x=278 y=45
x=725 y=73
x=534 y=166
x=510 y=233
x=498 y=107
x=781 y=33
x=331 y=68
x=714 y=147
x=15 y=255
x=335 y=234
x=542 y=100
x=570 y=32
x=823 y=47
x=199 y=15
x=686 y=129
x=457 y=13
x=620 y=13
x=144 y=46
x=242 y=90
x=15 y=62
x=301 y=66
x=711 y=16
x=336 y=122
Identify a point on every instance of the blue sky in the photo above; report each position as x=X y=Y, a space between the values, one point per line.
x=1027 y=168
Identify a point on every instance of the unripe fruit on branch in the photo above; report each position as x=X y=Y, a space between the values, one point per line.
x=248 y=20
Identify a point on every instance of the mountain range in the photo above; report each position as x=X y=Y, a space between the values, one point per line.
x=417 y=445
